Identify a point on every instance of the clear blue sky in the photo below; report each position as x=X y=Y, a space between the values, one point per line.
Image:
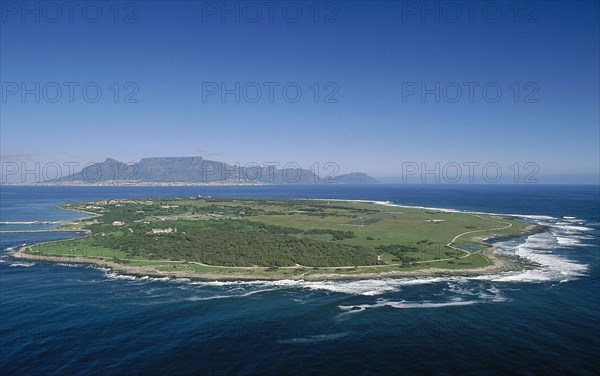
x=372 y=52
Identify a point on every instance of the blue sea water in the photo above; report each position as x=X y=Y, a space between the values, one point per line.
x=67 y=319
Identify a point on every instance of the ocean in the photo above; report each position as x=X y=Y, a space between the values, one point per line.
x=74 y=319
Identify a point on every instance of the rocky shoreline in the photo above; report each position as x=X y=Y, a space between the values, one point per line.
x=500 y=264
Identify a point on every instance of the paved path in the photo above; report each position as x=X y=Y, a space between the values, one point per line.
x=469 y=253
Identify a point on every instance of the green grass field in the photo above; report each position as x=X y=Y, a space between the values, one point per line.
x=285 y=237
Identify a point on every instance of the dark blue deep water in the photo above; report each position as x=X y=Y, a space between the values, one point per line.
x=65 y=319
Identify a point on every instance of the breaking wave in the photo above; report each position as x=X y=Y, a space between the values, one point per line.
x=313 y=338
x=22 y=264
x=402 y=304
x=547 y=253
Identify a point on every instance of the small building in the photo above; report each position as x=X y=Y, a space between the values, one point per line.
x=118 y=223
x=163 y=230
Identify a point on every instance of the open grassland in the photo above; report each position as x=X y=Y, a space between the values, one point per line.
x=286 y=238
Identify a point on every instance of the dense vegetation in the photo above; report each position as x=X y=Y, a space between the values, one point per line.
x=233 y=243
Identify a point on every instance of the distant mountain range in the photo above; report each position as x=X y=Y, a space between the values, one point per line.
x=356 y=178
x=200 y=170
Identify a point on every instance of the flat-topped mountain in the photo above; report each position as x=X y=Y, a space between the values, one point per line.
x=200 y=170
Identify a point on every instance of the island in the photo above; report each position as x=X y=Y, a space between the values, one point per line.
x=233 y=239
